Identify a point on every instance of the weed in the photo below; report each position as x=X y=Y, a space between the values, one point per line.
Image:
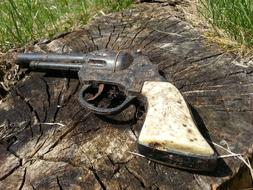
x=233 y=18
x=28 y=20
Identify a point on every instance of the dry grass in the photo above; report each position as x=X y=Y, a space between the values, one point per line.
x=215 y=34
x=233 y=17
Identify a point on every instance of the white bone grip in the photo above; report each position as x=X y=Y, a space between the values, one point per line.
x=169 y=125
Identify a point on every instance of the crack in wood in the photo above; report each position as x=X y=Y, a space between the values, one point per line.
x=118 y=35
x=41 y=134
x=99 y=30
x=162 y=37
x=110 y=36
x=111 y=160
x=66 y=100
x=102 y=185
x=133 y=132
x=23 y=180
x=38 y=148
x=150 y=32
x=69 y=130
x=207 y=57
x=237 y=72
x=228 y=110
x=47 y=90
x=32 y=187
x=85 y=45
x=73 y=92
x=158 y=49
x=31 y=129
x=136 y=176
x=189 y=62
x=189 y=55
x=13 y=152
x=68 y=147
x=32 y=110
x=92 y=39
x=59 y=100
x=55 y=160
x=11 y=171
x=78 y=114
x=135 y=36
x=58 y=183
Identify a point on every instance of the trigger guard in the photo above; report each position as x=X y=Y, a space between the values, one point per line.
x=103 y=111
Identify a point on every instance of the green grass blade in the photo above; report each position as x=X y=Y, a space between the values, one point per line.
x=25 y=20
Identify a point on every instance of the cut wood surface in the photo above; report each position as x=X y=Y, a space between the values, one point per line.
x=48 y=141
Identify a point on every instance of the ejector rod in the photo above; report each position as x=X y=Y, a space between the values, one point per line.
x=70 y=58
x=55 y=66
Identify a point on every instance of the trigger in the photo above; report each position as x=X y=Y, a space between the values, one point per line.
x=99 y=92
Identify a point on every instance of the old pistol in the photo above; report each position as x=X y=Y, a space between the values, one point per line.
x=169 y=134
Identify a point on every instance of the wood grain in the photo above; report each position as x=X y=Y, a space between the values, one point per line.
x=83 y=151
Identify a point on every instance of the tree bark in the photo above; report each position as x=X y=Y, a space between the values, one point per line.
x=50 y=142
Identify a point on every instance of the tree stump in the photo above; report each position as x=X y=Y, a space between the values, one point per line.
x=48 y=141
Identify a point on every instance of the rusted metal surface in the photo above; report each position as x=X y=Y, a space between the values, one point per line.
x=99 y=60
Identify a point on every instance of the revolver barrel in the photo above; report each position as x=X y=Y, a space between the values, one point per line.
x=71 y=62
x=101 y=60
